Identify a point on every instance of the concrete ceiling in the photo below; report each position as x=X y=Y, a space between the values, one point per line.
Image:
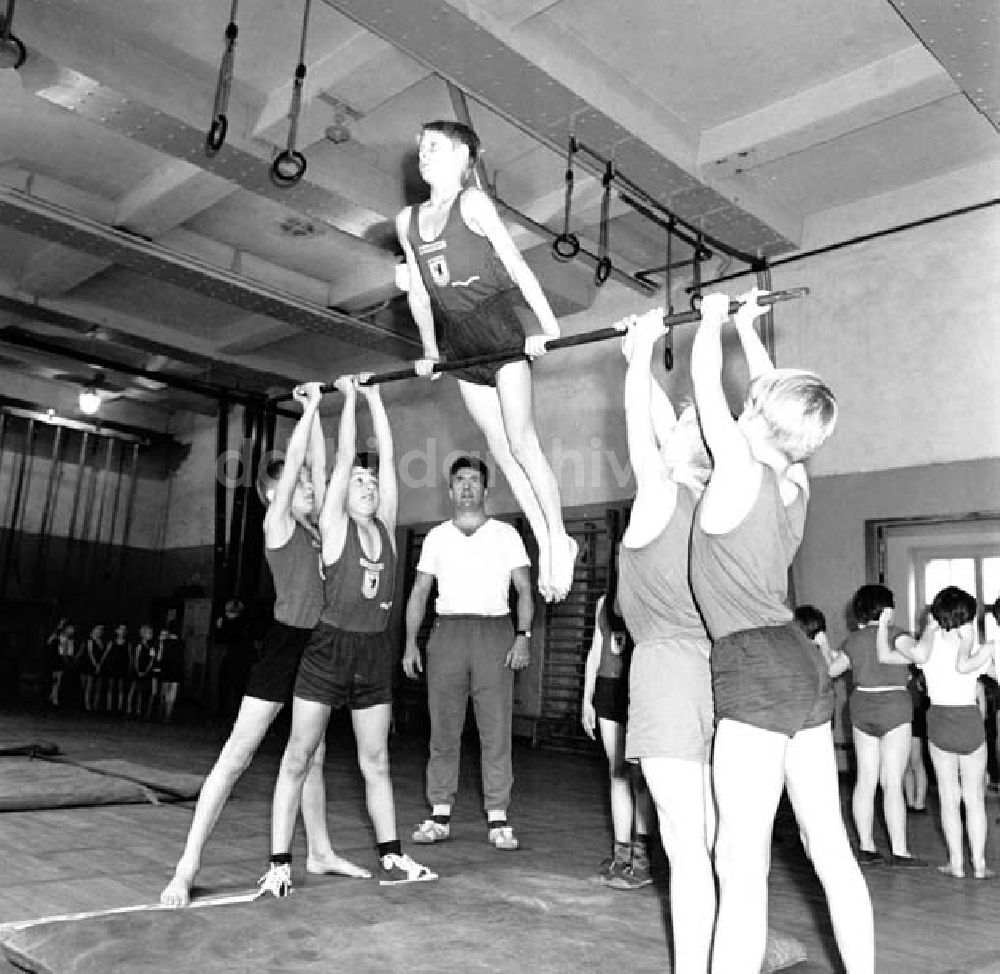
x=742 y=119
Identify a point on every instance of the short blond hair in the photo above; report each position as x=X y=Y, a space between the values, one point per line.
x=797 y=407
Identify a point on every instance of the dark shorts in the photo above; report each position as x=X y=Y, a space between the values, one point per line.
x=341 y=668
x=773 y=678
x=611 y=699
x=272 y=676
x=959 y=730
x=493 y=327
x=875 y=713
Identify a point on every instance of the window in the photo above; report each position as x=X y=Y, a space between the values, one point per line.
x=974 y=568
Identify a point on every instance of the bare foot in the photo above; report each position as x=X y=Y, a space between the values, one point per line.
x=545 y=572
x=178 y=891
x=333 y=865
x=982 y=872
x=948 y=870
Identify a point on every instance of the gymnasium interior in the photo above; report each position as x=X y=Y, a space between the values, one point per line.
x=198 y=203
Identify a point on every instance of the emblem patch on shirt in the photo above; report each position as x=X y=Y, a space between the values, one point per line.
x=438 y=266
x=372 y=574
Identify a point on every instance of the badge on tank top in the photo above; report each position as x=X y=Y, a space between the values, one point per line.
x=371 y=575
x=438 y=266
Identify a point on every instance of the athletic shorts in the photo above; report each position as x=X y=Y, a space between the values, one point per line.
x=272 y=675
x=492 y=327
x=773 y=678
x=611 y=699
x=959 y=730
x=877 y=712
x=670 y=701
x=341 y=668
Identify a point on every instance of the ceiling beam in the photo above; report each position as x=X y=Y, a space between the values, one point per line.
x=898 y=83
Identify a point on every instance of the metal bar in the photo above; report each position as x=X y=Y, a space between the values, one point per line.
x=114 y=430
x=51 y=492
x=114 y=509
x=567 y=341
x=16 y=507
x=100 y=507
x=133 y=472
x=221 y=494
x=853 y=241
x=237 y=514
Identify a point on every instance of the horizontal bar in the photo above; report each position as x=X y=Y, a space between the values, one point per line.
x=567 y=341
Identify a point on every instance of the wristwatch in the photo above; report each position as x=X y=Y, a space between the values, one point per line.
x=523 y=632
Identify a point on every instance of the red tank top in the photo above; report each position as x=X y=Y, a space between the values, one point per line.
x=359 y=590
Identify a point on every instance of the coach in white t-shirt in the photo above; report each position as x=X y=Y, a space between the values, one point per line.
x=473 y=650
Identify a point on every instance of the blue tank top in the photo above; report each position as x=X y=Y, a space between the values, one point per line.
x=359 y=590
x=740 y=579
x=653 y=589
x=459 y=267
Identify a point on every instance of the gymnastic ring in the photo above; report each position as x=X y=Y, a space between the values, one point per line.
x=216 y=135
x=288 y=168
x=11 y=45
x=668 y=358
x=695 y=302
x=566 y=246
x=603 y=271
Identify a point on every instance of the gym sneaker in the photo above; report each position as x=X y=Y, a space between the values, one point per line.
x=632 y=875
x=430 y=831
x=277 y=881
x=403 y=869
x=614 y=864
x=502 y=837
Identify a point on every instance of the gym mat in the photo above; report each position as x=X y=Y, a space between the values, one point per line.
x=502 y=920
x=27 y=784
x=14 y=748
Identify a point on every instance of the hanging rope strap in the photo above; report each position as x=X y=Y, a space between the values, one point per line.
x=289 y=166
x=12 y=51
x=220 y=123
x=566 y=246
x=668 y=299
x=603 y=270
x=566 y=341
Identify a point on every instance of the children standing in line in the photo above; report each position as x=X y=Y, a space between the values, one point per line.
x=881 y=717
x=773 y=696
x=464 y=274
x=952 y=663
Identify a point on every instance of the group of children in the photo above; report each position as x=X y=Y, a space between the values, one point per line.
x=905 y=691
x=135 y=675
x=729 y=703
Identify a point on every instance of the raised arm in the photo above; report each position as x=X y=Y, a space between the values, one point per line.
x=656 y=493
x=588 y=715
x=417 y=298
x=730 y=452
x=837 y=661
x=333 y=516
x=900 y=650
x=416 y=606
x=481 y=215
x=278 y=519
x=387 y=487
x=317 y=462
x=758 y=360
x=971 y=659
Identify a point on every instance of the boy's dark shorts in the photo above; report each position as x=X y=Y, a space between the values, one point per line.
x=774 y=678
x=492 y=327
x=877 y=713
x=959 y=730
x=611 y=698
x=341 y=668
x=272 y=676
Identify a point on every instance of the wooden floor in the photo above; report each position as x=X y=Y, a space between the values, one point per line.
x=61 y=861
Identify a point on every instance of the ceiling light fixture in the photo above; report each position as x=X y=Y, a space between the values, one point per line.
x=90 y=400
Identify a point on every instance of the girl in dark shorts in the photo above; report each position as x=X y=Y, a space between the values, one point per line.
x=773 y=696
x=952 y=663
x=604 y=709
x=465 y=277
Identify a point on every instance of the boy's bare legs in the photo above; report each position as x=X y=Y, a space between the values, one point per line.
x=867 y=753
x=950 y=798
x=678 y=791
x=483 y=405
x=895 y=752
x=321 y=857
x=972 y=773
x=915 y=779
x=622 y=805
x=252 y=722
x=748 y=775
x=811 y=780
x=514 y=391
x=371 y=731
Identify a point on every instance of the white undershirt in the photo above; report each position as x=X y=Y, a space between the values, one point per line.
x=473 y=571
x=946 y=687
